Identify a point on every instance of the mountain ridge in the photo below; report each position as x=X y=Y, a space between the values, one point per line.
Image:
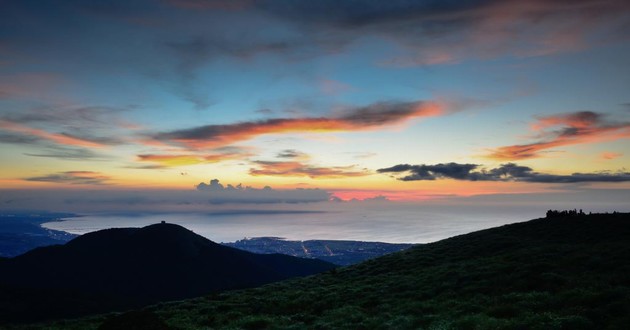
x=131 y=267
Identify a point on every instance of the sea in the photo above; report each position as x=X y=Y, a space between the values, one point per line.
x=391 y=223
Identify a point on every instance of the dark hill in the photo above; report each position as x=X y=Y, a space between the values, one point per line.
x=558 y=273
x=127 y=267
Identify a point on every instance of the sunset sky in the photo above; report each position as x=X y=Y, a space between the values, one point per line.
x=319 y=100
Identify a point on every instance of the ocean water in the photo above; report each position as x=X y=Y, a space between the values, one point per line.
x=399 y=224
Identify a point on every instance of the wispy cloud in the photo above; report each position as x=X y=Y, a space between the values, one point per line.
x=73 y=177
x=60 y=138
x=292 y=154
x=13 y=138
x=210 y=4
x=505 y=172
x=167 y=160
x=297 y=169
x=88 y=126
x=76 y=117
x=608 y=155
x=66 y=153
x=447 y=32
x=563 y=130
x=357 y=119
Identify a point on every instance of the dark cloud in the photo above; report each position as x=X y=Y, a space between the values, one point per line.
x=437 y=32
x=505 y=172
x=357 y=13
x=211 y=4
x=13 y=138
x=291 y=153
x=65 y=126
x=172 y=40
x=432 y=172
x=83 y=135
x=382 y=113
x=220 y=194
x=92 y=116
x=356 y=119
x=67 y=153
x=146 y=167
x=73 y=177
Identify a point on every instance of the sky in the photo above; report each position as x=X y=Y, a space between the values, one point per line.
x=192 y=104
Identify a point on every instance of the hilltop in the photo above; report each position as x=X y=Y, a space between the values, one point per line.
x=566 y=272
x=122 y=268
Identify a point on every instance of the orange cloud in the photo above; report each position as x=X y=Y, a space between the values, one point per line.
x=293 y=169
x=610 y=155
x=574 y=128
x=359 y=119
x=182 y=160
x=60 y=138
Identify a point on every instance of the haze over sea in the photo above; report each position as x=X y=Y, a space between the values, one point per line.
x=407 y=223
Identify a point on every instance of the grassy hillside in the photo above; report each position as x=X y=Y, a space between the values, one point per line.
x=559 y=273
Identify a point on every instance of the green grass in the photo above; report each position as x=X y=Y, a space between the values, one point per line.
x=559 y=273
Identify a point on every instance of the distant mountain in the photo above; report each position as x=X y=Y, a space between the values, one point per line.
x=338 y=252
x=565 y=272
x=127 y=267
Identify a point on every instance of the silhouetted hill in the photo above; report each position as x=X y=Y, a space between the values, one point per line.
x=568 y=272
x=126 y=267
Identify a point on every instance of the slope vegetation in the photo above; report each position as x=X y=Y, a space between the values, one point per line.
x=557 y=273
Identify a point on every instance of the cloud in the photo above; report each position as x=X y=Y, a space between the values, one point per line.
x=610 y=155
x=12 y=138
x=505 y=172
x=91 y=116
x=67 y=153
x=438 y=32
x=73 y=177
x=190 y=159
x=357 y=119
x=91 y=127
x=361 y=155
x=563 y=130
x=432 y=172
x=295 y=168
x=59 y=138
x=379 y=198
x=292 y=154
x=210 y=4
x=220 y=194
